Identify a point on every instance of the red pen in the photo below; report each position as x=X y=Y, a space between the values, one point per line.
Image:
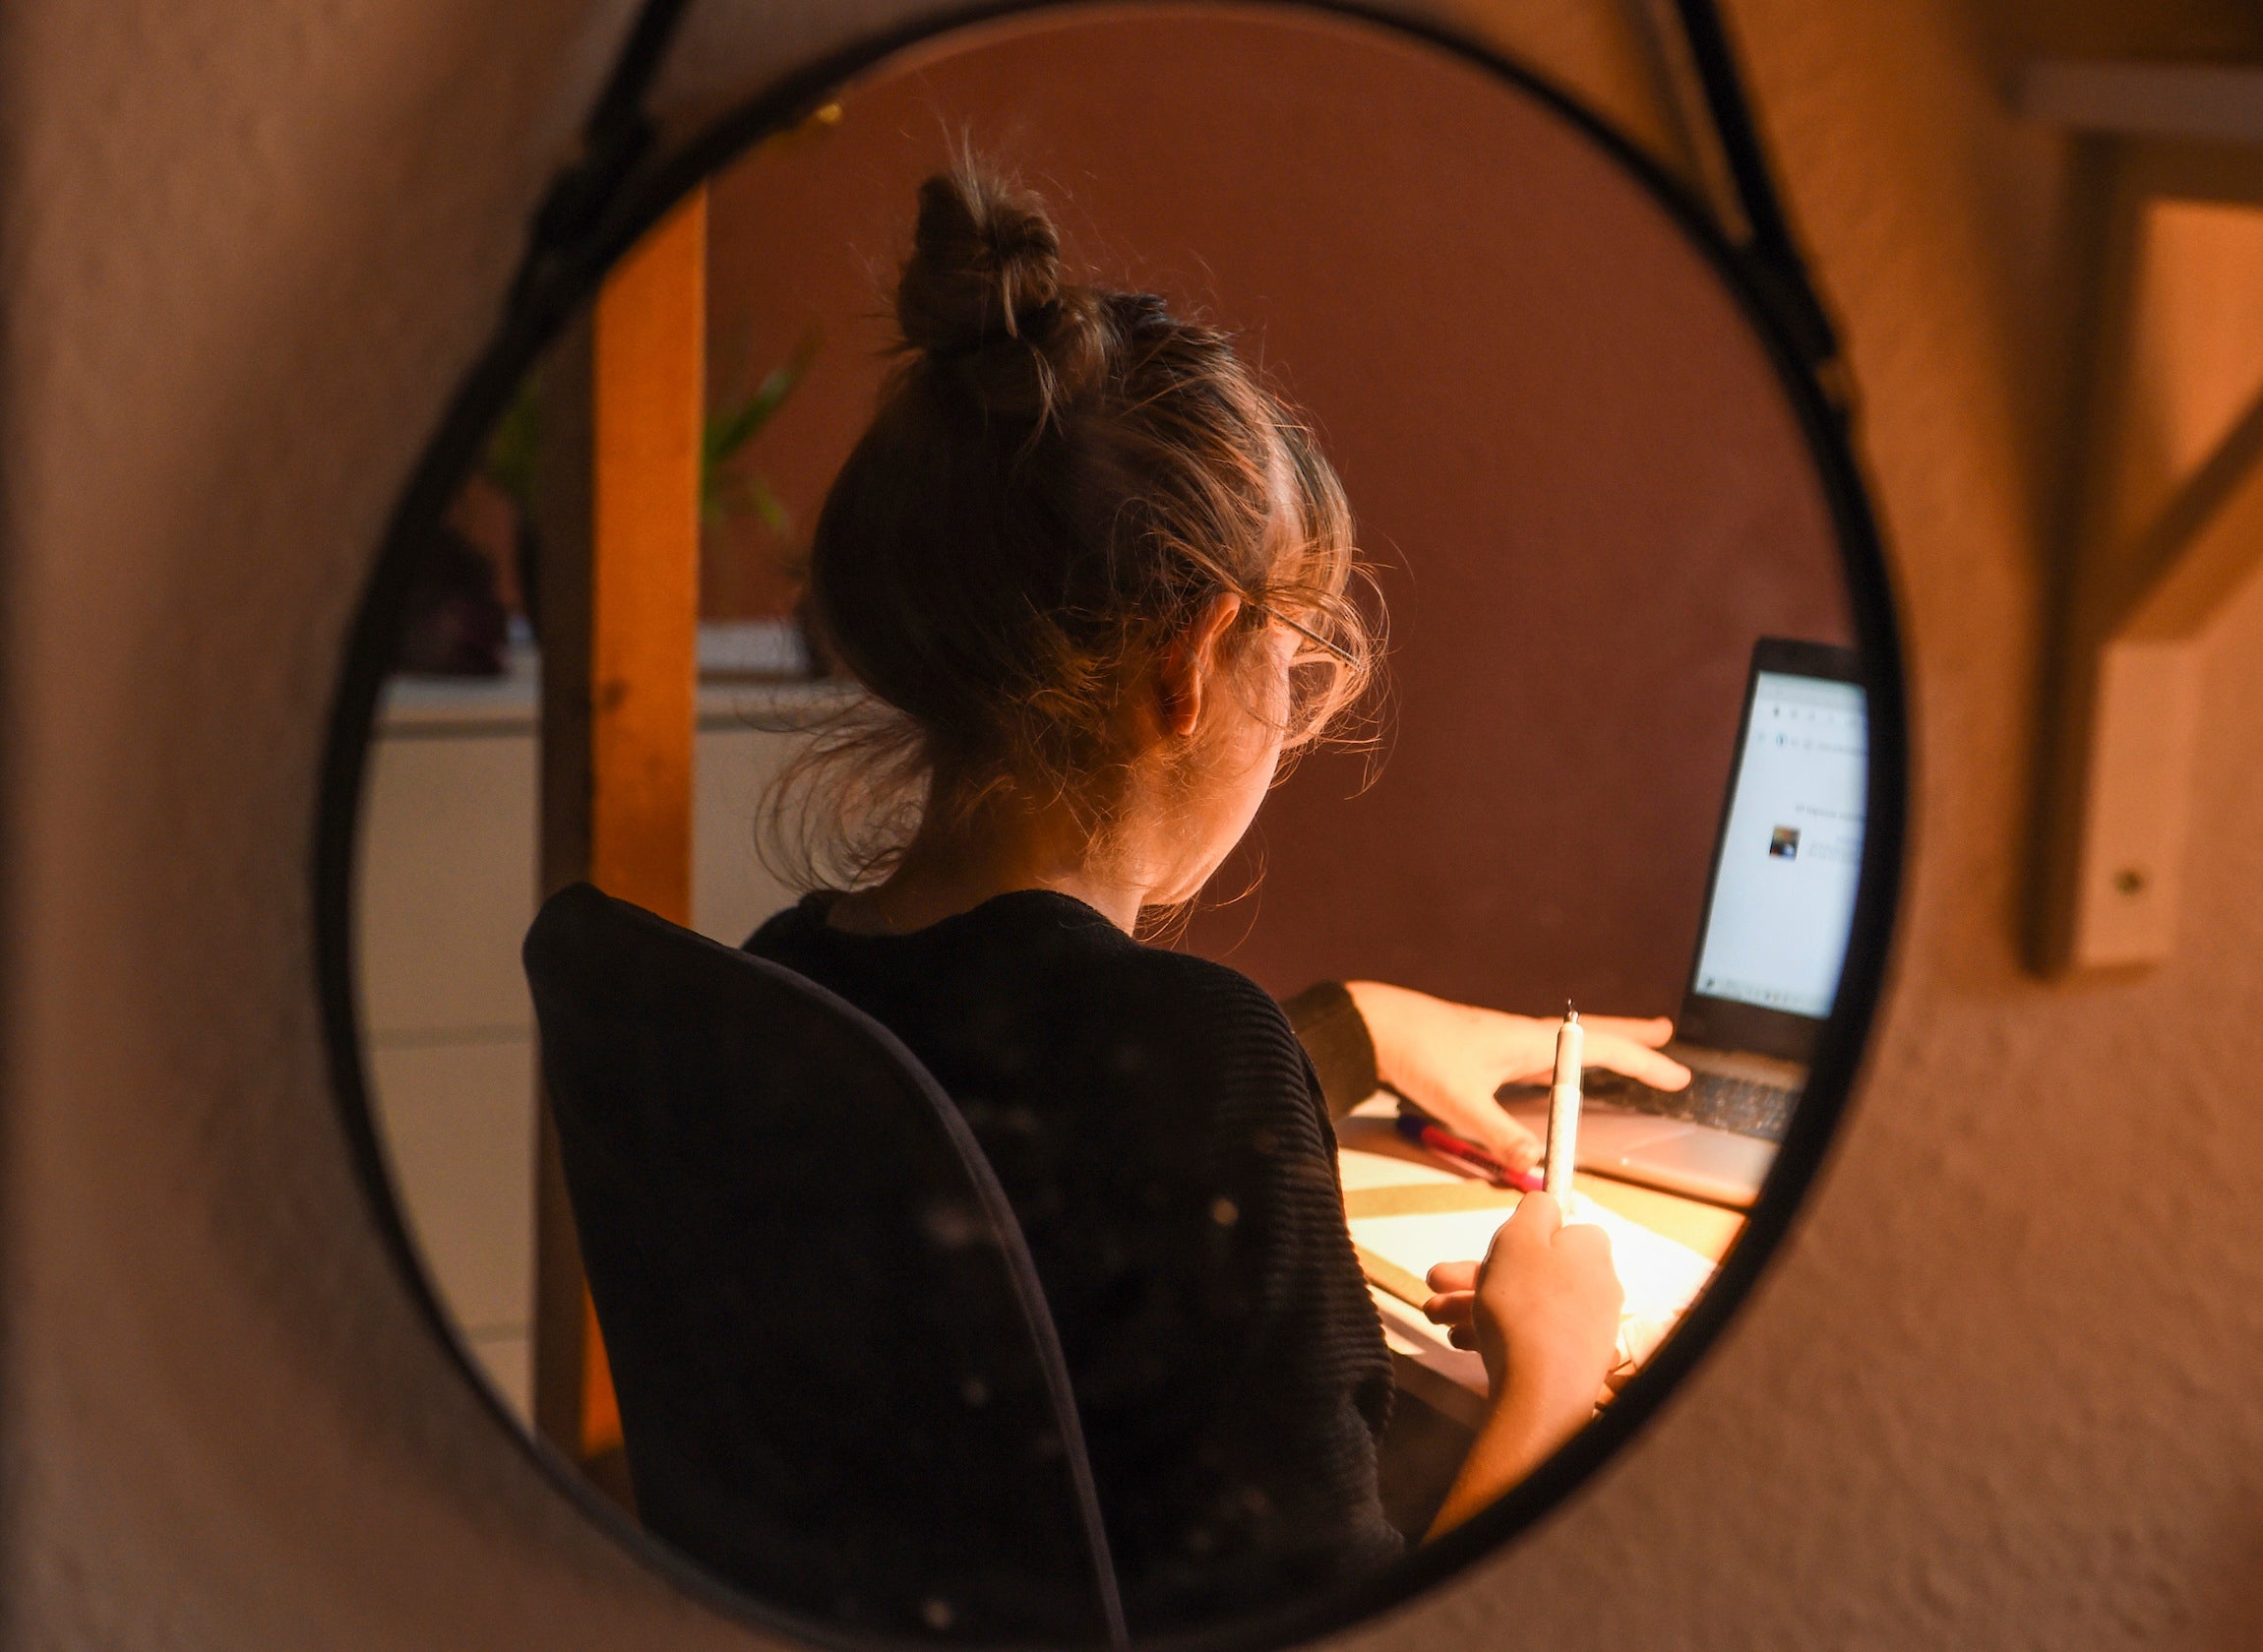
x=1443 y=1142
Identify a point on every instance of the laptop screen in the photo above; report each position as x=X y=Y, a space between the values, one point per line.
x=1790 y=850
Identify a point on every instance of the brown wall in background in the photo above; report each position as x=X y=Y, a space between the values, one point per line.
x=1569 y=460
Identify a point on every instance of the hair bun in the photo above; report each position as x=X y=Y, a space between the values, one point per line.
x=985 y=265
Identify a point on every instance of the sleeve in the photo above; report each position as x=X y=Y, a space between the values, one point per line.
x=1307 y=1390
x=1239 y=1385
x=1329 y=1025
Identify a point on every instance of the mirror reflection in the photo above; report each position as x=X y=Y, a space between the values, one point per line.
x=1165 y=636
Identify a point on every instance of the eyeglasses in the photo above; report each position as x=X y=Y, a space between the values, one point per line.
x=1304 y=631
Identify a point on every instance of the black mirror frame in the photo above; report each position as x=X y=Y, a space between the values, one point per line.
x=595 y=215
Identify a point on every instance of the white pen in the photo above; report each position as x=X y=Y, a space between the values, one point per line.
x=1564 y=1107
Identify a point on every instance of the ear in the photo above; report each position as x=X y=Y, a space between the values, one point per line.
x=1183 y=676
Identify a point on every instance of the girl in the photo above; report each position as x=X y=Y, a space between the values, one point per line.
x=1095 y=577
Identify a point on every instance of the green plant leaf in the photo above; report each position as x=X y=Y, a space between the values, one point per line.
x=729 y=428
x=515 y=446
x=769 y=507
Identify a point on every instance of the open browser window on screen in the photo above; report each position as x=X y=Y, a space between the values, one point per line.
x=1791 y=853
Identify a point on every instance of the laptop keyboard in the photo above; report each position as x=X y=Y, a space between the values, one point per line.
x=1748 y=1106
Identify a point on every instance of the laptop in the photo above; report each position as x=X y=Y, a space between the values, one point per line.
x=1779 y=904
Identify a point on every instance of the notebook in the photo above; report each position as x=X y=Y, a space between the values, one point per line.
x=1398 y=1247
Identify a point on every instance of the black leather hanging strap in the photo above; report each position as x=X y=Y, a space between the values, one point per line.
x=1773 y=253
x=616 y=137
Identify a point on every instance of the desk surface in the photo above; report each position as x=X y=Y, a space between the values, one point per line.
x=1385 y=1175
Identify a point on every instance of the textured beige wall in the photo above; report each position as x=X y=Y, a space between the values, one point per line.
x=2001 y=1393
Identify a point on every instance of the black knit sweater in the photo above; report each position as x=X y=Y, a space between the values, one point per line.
x=1164 y=1139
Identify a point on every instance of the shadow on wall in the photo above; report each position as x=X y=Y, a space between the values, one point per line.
x=1570 y=459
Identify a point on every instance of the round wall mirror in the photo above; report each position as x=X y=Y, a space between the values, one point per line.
x=865 y=1099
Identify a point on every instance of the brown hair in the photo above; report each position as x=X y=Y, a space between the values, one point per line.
x=1058 y=479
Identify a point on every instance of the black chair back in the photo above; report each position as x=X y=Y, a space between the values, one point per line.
x=839 y=1385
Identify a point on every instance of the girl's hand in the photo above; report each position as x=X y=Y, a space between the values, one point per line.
x=1449 y=1058
x=1490 y=1305
x=1455 y=1305
x=1543 y=1311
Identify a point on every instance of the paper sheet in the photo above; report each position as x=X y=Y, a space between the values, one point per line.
x=1660 y=1277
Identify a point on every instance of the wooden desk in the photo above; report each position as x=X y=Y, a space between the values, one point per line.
x=1385 y=1175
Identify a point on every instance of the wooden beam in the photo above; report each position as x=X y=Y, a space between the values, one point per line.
x=619 y=618
x=650 y=375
